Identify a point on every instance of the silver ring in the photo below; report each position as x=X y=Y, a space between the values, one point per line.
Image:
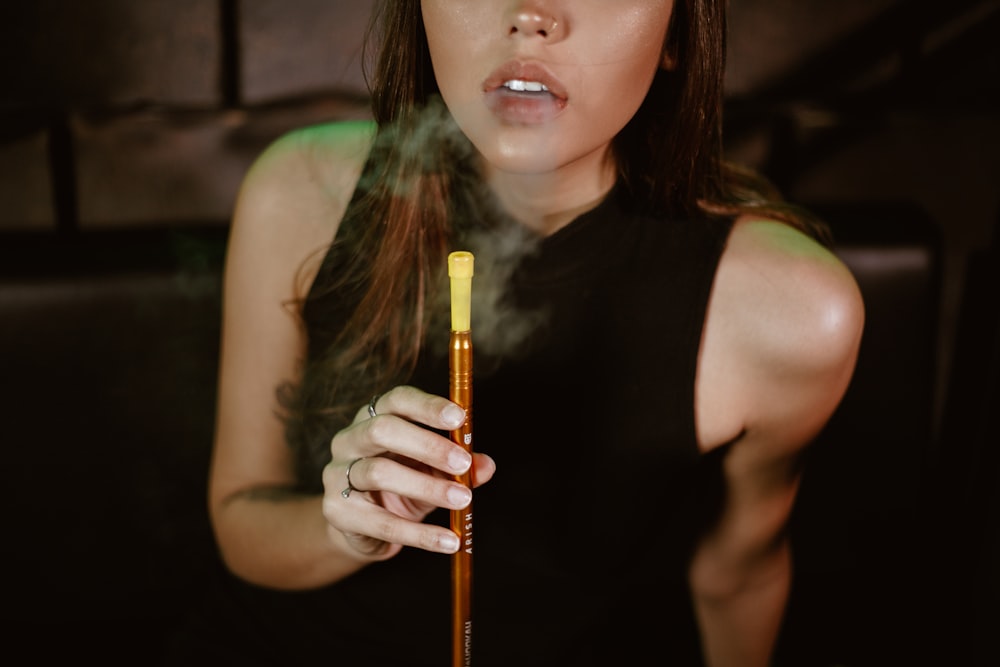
x=371 y=405
x=346 y=493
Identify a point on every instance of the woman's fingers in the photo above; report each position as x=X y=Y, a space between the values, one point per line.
x=415 y=405
x=402 y=425
x=376 y=531
x=383 y=474
x=396 y=435
x=392 y=466
x=484 y=467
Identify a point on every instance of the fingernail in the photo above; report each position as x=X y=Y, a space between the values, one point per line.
x=449 y=543
x=459 y=460
x=459 y=496
x=453 y=416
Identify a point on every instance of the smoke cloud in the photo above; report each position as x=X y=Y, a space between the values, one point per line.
x=498 y=242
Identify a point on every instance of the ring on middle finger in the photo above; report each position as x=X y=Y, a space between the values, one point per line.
x=346 y=493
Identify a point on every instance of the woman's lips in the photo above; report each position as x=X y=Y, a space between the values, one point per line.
x=524 y=94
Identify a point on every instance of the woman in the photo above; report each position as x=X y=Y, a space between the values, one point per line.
x=657 y=339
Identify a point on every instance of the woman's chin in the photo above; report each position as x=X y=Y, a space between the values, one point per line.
x=527 y=160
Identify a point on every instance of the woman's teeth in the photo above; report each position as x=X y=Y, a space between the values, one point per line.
x=525 y=86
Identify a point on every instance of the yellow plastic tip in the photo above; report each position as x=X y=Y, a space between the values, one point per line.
x=460 y=264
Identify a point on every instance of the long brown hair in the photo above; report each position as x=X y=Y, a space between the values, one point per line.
x=669 y=158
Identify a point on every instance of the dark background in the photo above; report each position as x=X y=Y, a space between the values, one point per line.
x=117 y=113
x=126 y=120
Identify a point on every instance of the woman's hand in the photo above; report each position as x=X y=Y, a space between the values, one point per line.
x=400 y=470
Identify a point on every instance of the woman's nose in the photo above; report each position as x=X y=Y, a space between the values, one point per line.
x=527 y=19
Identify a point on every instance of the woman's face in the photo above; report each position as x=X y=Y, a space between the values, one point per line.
x=540 y=84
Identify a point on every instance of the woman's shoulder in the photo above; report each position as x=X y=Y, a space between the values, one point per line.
x=793 y=292
x=316 y=166
x=782 y=333
x=294 y=196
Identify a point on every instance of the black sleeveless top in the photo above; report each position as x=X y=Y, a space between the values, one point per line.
x=583 y=535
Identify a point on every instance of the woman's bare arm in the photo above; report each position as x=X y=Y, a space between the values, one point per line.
x=287 y=213
x=780 y=346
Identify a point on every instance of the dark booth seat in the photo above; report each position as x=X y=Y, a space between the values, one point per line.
x=857 y=521
x=110 y=346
